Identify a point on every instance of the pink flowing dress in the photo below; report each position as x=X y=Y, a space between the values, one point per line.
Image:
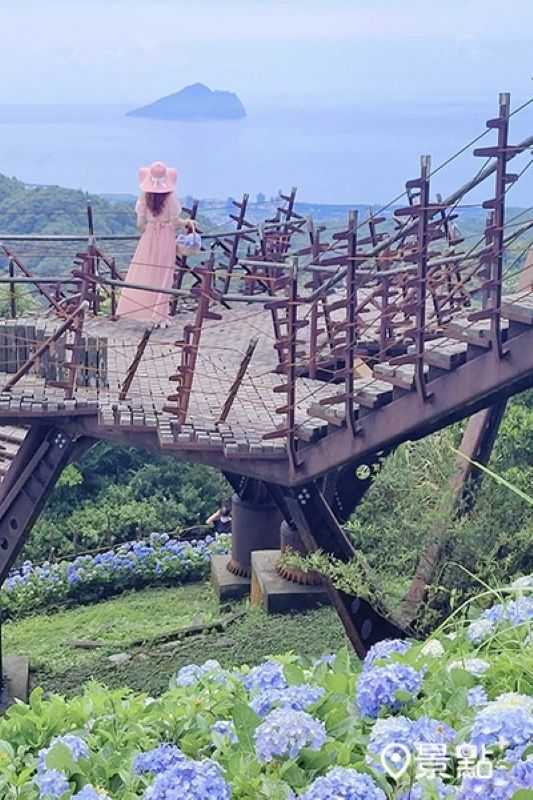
x=153 y=263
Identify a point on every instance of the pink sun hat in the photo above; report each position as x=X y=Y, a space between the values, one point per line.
x=158 y=178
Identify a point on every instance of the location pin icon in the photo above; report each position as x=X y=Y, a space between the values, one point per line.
x=395 y=759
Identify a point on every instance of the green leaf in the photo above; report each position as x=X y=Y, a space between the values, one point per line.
x=497 y=478
x=60 y=758
x=461 y=678
x=523 y=794
x=245 y=721
x=293 y=674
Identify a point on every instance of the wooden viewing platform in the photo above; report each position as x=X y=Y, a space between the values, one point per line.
x=290 y=362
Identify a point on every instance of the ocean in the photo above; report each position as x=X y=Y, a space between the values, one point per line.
x=333 y=154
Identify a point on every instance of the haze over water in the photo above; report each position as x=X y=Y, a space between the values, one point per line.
x=333 y=154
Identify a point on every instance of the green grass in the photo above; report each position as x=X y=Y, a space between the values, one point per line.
x=61 y=668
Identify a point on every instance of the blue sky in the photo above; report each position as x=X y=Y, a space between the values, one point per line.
x=134 y=51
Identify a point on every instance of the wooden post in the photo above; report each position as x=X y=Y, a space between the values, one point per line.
x=12 y=290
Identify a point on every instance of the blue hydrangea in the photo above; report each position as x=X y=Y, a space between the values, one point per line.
x=377 y=687
x=297 y=697
x=286 y=732
x=192 y=673
x=418 y=792
x=501 y=785
x=382 y=651
x=158 y=760
x=407 y=733
x=52 y=784
x=514 y=612
x=225 y=728
x=522 y=768
x=476 y=666
x=505 y=722
x=190 y=780
x=477 y=696
x=268 y=675
x=76 y=745
x=343 y=784
x=90 y=793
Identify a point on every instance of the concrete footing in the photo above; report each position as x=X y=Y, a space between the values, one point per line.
x=226 y=585
x=277 y=595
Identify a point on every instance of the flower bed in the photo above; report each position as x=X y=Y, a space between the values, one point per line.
x=155 y=562
x=441 y=719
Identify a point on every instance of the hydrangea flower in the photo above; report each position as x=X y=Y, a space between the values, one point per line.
x=407 y=733
x=525 y=582
x=225 y=728
x=286 y=732
x=343 y=784
x=505 y=722
x=76 y=745
x=52 y=784
x=90 y=793
x=268 y=675
x=477 y=696
x=514 y=612
x=191 y=673
x=377 y=687
x=382 y=651
x=501 y=785
x=419 y=792
x=190 y=780
x=297 y=697
x=476 y=666
x=160 y=759
x=433 y=648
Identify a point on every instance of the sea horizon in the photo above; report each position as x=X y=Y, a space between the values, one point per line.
x=335 y=155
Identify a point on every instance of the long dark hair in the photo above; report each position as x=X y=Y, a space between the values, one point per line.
x=155 y=201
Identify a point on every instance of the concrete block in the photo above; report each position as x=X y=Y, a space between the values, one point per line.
x=226 y=585
x=277 y=595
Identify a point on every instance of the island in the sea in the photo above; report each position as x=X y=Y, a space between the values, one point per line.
x=195 y=102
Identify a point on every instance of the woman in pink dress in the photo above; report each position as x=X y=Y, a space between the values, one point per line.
x=158 y=210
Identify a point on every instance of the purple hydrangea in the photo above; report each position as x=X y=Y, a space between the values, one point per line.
x=77 y=746
x=477 y=697
x=158 y=760
x=522 y=768
x=286 y=732
x=297 y=697
x=90 y=793
x=192 y=673
x=52 y=784
x=225 y=728
x=505 y=722
x=190 y=780
x=514 y=612
x=382 y=651
x=501 y=785
x=418 y=792
x=406 y=733
x=377 y=688
x=268 y=675
x=343 y=784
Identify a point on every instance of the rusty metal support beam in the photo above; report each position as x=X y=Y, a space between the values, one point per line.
x=319 y=529
x=30 y=479
x=476 y=445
